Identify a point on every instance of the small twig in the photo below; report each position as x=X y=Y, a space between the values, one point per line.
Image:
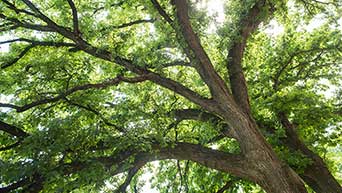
x=11 y=146
x=134 y=23
x=21 y=55
x=105 y=121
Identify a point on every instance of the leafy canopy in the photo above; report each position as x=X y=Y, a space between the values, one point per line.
x=81 y=118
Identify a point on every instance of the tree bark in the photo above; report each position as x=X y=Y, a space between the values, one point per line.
x=265 y=168
x=316 y=175
x=258 y=162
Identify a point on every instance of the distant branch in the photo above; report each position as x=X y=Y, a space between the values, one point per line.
x=134 y=23
x=288 y=62
x=105 y=121
x=14 y=23
x=16 y=59
x=129 y=24
x=40 y=43
x=12 y=130
x=33 y=43
x=311 y=5
x=105 y=84
x=51 y=24
x=111 y=5
x=16 y=9
x=176 y=63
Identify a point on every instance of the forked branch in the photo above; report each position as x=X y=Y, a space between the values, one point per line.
x=248 y=25
x=33 y=43
x=204 y=67
x=122 y=188
x=81 y=44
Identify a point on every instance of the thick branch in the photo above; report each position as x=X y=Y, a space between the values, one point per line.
x=74 y=16
x=122 y=188
x=196 y=114
x=214 y=159
x=152 y=76
x=30 y=184
x=317 y=170
x=15 y=185
x=237 y=79
x=162 y=12
x=205 y=68
x=169 y=84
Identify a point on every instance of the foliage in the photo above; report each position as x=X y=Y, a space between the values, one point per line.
x=93 y=111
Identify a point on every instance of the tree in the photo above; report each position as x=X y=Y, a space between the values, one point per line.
x=97 y=90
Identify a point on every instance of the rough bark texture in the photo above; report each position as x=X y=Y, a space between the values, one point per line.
x=237 y=78
x=260 y=160
x=264 y=166
x=316 y=175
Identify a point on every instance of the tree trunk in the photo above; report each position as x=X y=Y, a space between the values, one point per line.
x=279 y=178
x=265 y=168
x=316 y=175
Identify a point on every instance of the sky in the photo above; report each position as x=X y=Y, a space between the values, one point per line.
x=4 y=47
